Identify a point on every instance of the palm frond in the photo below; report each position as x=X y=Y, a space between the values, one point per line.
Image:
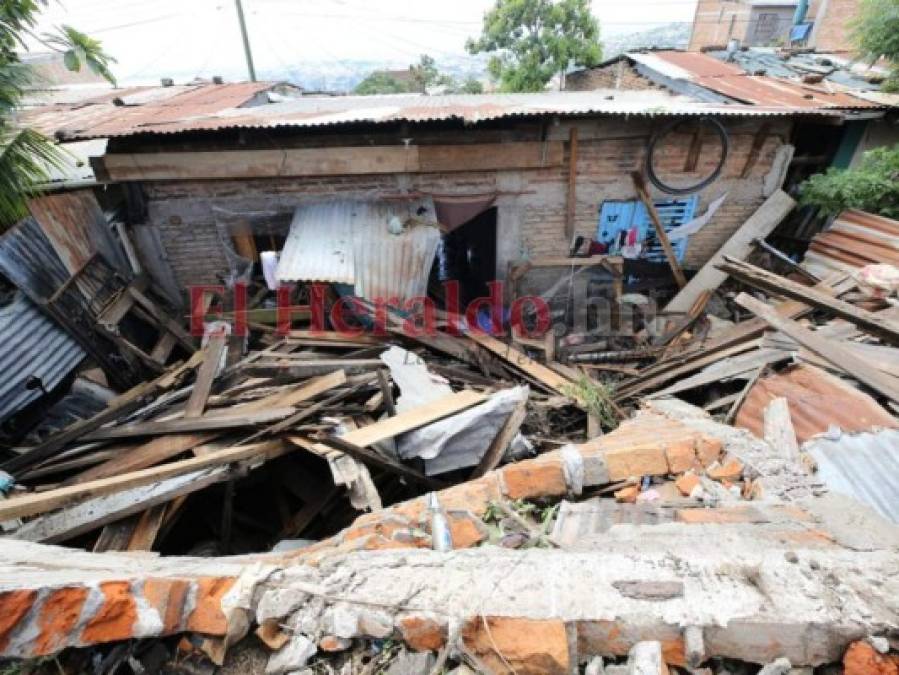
x=25 y=159
x=15 y=77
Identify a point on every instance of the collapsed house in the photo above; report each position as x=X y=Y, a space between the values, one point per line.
x=689 y=464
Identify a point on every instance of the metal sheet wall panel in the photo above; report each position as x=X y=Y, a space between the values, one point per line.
x=350 y=242
x=33 y=345
x=864 y=466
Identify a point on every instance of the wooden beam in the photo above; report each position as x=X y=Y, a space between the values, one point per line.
x=775 y=284
x=41 y=502
x=108 y=509
x=235 y=420
x=212 y=359
x=661 y=235
x=413 y=419
x=827 y=349
x=778 y=429
x=332 y=161
x=500 y=443
x=548 y=378
x=759 y=225
x=571 y=200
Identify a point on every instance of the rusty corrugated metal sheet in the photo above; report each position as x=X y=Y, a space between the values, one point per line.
x=119 y=109
x=733 y=82
x=817 y=400
x=854 y=239
x=864 y=466
x=311 y=111
x=350 y=242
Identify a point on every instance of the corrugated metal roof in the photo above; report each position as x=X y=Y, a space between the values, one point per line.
x=817 y=399
x=732 y=81
x=313 y=111
x=853 y=240
x=117 y=109
x=350 y=242
x=864 y=466
x=33 y=345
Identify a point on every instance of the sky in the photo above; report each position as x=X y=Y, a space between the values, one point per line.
x=181 y=38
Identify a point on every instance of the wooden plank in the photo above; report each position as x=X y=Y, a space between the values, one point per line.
x=147 y=528
x=327 y=336
x=548 y=378
x=571 y=198
x=127 y=402
x=758 y=226
x=828 y=349
x=490 y=156
x=775 y=284
x=212 y=360
x=185 y=425
x=332 y=161
x=109 y=509
x=500 y=443
x=661 y=235
x=414 y=418
x=778 y=429
x=42 y=502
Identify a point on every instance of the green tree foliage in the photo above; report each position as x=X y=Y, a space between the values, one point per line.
x=876 y=33
x=424 y=76
x=380 y=82
x=872 y=186
x=532 y=40
x=26 y=155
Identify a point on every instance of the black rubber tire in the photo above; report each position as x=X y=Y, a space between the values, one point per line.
x=667 y=129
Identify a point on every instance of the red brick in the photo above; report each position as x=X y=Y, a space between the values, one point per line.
x=167 y=597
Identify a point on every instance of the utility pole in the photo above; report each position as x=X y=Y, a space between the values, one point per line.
x=246 y=41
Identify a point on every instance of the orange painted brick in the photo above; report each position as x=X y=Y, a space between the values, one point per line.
x=687 y=483
x=14 y=605
x=681 y=456
x=628 y=495
x=59 y=615
x=116 y=617
x=474 y=495
x=167 y=597
x=466 y=530
x=708 y=449
x=862 y=659
x=731 y=470
x=636 y=461
x=422 y=633
x=534 y=478
x=208 y=617
x=530 y=647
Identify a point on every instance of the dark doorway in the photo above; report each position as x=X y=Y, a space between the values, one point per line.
x=468 y=255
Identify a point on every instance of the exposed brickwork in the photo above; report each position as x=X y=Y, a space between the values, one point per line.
x=531 y=214
x=717 y=21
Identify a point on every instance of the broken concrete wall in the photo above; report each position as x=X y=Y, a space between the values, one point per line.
x=753 y=581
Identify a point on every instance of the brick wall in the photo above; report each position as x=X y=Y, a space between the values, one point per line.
x=717 y=21
x=531 y=208
x=831 y=31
